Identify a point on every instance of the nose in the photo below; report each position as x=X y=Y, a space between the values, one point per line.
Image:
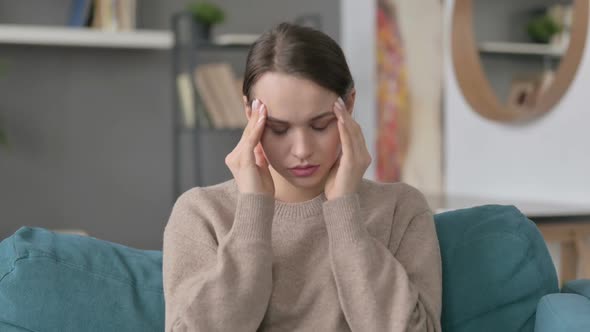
x=302 y=147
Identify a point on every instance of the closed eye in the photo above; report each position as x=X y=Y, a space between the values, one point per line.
x=278 y=130
x=323 y=125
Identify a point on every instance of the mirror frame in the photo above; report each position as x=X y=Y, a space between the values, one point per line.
x=473 y=81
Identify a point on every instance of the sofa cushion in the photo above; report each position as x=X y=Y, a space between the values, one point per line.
x=496 y=268
x=563 y=312
x=580 y=287
x=58 y=282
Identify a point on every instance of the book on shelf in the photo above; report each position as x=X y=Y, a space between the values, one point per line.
x=114 y=15
x=186 y=100
x=216 y=85
x=191 y=105
x=80 y=10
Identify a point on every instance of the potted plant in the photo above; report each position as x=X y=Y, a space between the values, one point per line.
x=542 y=28
x=205 y=15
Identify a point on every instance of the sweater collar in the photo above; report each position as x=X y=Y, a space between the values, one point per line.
x=310 y=208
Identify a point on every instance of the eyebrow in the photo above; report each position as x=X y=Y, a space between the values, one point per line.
x=317 y=117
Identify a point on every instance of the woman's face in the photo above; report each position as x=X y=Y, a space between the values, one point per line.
x=301 y=128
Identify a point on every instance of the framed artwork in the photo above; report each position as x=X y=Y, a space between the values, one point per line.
x=409 y=93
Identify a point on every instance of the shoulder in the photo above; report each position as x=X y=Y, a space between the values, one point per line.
x=398 y=205
x=204 y=198
x=203 y=211
x=399 y=195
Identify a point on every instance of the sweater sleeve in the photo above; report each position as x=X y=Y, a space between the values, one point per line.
x=218 y=288
x=381 y=288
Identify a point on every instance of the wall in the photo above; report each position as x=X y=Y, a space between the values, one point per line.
x=358 y=20
x=91 y=128
x=547 y=160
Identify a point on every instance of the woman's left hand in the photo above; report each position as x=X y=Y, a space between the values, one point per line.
x=347 y=173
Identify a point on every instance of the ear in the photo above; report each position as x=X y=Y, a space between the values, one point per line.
x=247 y=107
x=350 y=100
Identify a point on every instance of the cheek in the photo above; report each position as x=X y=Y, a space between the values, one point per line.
x=330 y=144
x=272 y=148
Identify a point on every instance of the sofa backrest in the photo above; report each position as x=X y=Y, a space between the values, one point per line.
x=58 y=282
x=496 y=268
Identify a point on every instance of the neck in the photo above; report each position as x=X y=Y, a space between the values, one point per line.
x=288 y=193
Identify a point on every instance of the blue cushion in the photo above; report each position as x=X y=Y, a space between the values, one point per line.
x=563 y=312
x=58 y=282
x=580 y=287
x=496 y=268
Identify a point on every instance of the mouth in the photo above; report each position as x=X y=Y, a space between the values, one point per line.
x=304 y=171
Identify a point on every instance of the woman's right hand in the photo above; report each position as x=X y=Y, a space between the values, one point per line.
x=247 y=161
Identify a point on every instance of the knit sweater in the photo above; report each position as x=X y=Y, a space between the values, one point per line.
x=368 y=261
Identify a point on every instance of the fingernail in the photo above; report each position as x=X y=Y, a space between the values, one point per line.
x=255 y=104
x=261 y=109
x=341 y=101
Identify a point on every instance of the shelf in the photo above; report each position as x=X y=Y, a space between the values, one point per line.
x=521 y=48
x=182 y=129
x=214 y=47
x=84 y=37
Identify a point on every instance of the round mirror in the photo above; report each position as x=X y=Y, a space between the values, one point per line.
x=515 y=59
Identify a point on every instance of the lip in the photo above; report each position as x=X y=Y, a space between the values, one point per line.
x=304 y=171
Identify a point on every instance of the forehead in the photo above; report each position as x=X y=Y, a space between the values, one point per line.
x=291 y=98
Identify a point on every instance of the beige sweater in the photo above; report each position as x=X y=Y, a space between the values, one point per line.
x=244 y=262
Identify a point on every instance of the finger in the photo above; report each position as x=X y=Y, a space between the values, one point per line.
x=257 y=129
x=354 y=129
x=260 y=157
x=343 y=130
x=254 y=116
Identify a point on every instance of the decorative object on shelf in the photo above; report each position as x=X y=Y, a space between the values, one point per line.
x=527 y=89
x=205 y=15
x=541 y=29
x=563 y=16
x=485 y=69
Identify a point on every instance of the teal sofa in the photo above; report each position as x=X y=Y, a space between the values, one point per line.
x=497 y=276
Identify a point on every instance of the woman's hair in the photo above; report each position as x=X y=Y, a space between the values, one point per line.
x=301 y=51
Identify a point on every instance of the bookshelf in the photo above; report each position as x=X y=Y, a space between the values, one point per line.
x=521 y=49
x=35 y=35
x=197 y=143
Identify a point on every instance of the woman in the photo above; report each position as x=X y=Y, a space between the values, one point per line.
x=298 y=240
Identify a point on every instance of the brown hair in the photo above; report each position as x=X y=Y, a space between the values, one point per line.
x=301 y=51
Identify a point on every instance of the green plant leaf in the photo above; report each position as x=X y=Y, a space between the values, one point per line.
x=206 y=12
x=542 y=28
